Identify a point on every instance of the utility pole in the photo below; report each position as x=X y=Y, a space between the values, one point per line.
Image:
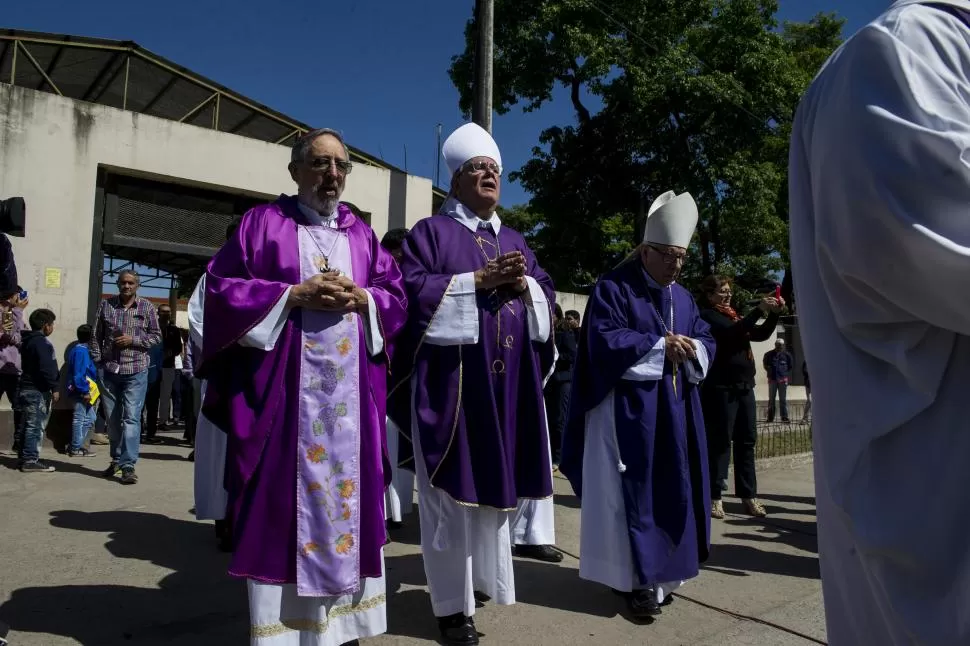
x=484 y=51
x=437 y=158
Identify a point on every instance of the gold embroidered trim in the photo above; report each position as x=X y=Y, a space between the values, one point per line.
x=319 y=627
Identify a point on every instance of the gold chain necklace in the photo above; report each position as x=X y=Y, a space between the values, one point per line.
x=498 y=366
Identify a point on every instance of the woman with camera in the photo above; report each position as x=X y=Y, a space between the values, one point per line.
x=728 y=393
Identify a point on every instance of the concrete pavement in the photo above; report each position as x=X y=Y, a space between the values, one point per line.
x=84 y=560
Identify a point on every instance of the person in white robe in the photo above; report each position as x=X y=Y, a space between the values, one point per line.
x=534 y=523
x=480 y=329
x=635 y=448
x=210 y=442
x=879 y=193
x=399 y=497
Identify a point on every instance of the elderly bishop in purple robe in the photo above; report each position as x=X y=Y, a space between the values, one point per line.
x=635 y=450
x=471 y=400
x=300 y=308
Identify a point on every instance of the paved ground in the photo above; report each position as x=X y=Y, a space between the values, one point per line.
x=85 y=560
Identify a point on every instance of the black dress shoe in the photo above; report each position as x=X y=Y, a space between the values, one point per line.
x=457 y=630
x=481 y=599
x=356 y=642
x=546 y=553
x=642 y=603
x=669 y=599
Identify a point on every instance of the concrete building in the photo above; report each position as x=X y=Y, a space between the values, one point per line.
x=123 y=154
x=125 y=158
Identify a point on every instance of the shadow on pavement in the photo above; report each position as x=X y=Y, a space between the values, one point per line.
x=198 y=603
x=777 y=497
x=742 y=560
x=566 y=500
x=83 y=466
x=537 y=584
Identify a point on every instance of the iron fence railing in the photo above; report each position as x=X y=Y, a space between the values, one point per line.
x=778 y=439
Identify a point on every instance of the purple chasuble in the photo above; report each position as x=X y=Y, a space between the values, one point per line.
x=659 y=429
x=278 y=410
x=478 y=407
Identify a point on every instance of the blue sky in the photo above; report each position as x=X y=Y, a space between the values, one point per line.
x=374 y=69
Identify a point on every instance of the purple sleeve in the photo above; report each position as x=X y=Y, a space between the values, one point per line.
x=237 y=297
x=425 y=287
x=611 y=345
x=386 y=287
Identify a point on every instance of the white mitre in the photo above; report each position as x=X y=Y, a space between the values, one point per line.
x=468 y=142
x=671 y=220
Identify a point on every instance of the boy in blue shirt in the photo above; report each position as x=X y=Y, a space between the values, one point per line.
x=80 y=368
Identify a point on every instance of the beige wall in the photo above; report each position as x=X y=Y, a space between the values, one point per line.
x=50 y=151
x=568 y=301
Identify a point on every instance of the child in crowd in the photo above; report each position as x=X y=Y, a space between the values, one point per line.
x=38 y=388
x=82 y=373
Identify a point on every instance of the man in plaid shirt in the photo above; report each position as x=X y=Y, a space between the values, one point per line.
x=125 y=330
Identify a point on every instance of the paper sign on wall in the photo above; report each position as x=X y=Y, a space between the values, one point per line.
x=52 y=278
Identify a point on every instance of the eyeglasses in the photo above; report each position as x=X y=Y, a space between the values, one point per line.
x=481 y=165
x=669 y=257
x=323 y=164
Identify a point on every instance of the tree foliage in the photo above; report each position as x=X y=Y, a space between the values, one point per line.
x=685 y=95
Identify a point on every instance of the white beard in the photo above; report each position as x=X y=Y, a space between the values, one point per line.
x=325 y=206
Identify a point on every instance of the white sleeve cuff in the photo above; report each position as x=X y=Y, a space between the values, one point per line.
x=540 y=327
x=695 y=375
x=456 y=321
x=650 y=367
x=372 y=328
x=264 y=335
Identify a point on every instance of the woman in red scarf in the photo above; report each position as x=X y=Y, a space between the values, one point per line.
x=728 y=394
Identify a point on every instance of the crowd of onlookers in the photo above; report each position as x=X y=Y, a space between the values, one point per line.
x=131 y=369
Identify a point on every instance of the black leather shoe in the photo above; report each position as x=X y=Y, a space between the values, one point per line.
x=546 y=553
x=481 y=599
x=669 y=599
x=458 y=630
x=643 y=604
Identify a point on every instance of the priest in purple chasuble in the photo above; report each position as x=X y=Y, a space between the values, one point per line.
x=301 y=306
x=634 y=449
x=468 y=389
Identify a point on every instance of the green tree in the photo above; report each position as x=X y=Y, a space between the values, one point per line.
x=694 y=95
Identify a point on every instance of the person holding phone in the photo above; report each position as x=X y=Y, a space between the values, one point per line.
x=728 y=395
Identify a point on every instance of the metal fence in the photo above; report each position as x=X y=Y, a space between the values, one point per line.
x=778 y=439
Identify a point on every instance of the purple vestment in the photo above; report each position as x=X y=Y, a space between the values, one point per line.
x=255 y=396
x=483 y=432
x=659 y=431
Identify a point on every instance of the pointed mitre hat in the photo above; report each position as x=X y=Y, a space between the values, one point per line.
x=671 y=220
x=468 y=142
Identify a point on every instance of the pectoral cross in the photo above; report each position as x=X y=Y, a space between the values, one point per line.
x=674 y=375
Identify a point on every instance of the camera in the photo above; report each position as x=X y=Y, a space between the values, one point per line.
x=13 y=218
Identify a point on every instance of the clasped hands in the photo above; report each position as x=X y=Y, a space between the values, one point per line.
x=507 y=269
x=330 y=292
x=680 y=349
